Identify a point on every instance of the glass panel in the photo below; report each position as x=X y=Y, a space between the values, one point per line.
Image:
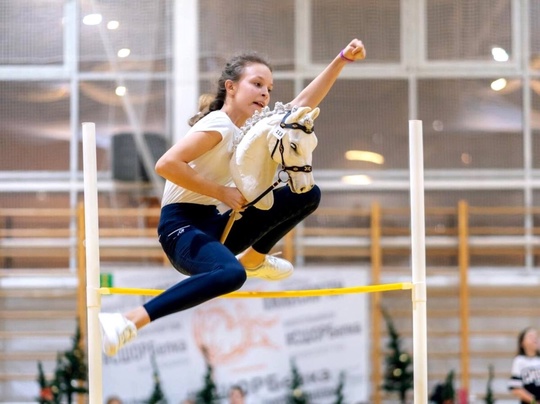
x=23 y=200
x=534 y=21
x=31 y=32
x=535 y=121
x=363 y=200
x=34 y=126
x=365 y=115
x=467 y=29
x=474 y=198
x=375 y=22
x=228 y=28
x=536 y=202
x=132 y=36
x=468 y=125
x=99 y=103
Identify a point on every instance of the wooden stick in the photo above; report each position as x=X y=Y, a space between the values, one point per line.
x=227 y=228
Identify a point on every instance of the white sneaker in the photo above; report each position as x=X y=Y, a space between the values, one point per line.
x=272 y=269
x=116 y=331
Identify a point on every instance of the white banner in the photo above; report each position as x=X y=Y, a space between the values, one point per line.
x=251 y=342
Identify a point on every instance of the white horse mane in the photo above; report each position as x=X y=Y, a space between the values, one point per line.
x=266 y=112
x=252 y=167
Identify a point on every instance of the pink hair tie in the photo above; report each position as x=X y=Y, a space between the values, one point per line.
x=342 y=56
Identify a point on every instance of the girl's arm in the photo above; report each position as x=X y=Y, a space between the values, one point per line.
x=524 y=395
x=314 y=93
x=174 y=166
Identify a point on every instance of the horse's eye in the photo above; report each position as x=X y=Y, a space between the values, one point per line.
x=294 y=147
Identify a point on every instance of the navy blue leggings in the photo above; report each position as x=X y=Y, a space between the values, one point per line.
x=189 y=234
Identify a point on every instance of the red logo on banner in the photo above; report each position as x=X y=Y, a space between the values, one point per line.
x=228 y=332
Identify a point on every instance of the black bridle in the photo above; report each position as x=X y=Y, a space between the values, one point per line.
x=284 y=168
x=279 y=143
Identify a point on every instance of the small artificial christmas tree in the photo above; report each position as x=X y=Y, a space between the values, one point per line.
x=70 y=375
x=46 y=395
x=448 y=391
x=340 y=399
x=157 y=396
x=443 y=393
x=58 y=384
x=208 y=394
x=398 y=376
x=297 y=395
x=75 y=370
x=489 y=393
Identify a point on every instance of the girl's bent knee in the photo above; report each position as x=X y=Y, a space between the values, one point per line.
x=315 y=194
x=234 y=277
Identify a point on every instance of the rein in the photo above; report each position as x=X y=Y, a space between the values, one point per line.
x=233 y=214
x=270 y=188
x=284 y=170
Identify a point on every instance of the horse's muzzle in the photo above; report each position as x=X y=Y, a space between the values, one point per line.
x=305 y=189
x=301 y=183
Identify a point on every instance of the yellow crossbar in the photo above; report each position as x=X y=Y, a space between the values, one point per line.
x=274 y=294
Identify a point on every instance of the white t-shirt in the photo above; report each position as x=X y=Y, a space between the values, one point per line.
x=526 y=374
x=213 y=165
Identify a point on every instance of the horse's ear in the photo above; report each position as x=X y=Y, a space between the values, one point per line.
x=296 y=115
x=314 y=113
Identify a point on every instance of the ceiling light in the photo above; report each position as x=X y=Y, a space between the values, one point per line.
x=499 y=54
x=120 y=91
x=124 y=53
x=92 y=19
x=356 y=179
x=438 y=126
x=113 y=25
x=498 y=84
x=361 y=155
